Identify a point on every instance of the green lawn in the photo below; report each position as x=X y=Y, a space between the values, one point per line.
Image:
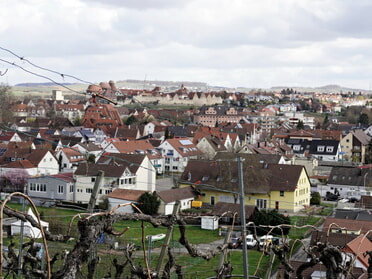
x=302 y=221
x=199 y=268
x=194 y=233
x=193 y=267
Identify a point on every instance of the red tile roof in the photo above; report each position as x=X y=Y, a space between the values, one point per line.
x=126 y=194
x=358 y=247
x=176 y=194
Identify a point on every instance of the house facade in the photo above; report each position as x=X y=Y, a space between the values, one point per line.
x=348 y=182
x=43 y=161
x=124 y=196
x=285 y=188
x=354 y=146
x=137 y=147
x=69 y=158
x=211 y=115
x=326 y=150
x=168 y=199
x=177 y=152
x=49 y=189
x=135 y=172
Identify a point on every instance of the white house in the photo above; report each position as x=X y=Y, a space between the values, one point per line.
x=168 y=199
x=138 y=147
x=124 y=196
x=69 y=158
x=125 y=171
x=36 y=162
x=177 y=152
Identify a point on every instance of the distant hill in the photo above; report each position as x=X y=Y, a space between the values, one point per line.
x=325 y=88
x=35 y=84
x=173 y=85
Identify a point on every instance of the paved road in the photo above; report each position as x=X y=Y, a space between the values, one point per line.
x=165 y=183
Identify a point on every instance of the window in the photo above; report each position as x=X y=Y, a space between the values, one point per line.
x=212 y=200
x=261 y=204
x=37 y=187
x=93 y=179
x=60 y=189
x=329 y=149
x=88 y=190
x=282 y=193
x=71 y=188
x=320 y=148
x=296 y=147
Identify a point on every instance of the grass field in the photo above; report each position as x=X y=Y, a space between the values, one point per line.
x=192 y=267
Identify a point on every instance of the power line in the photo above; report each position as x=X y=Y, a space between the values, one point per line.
x=41 y=76
x=43 y=68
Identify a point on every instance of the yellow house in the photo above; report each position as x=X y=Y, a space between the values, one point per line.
x=285 y=188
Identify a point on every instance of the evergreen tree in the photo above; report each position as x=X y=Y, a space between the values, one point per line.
x=363 y=119
x=315 y=198
x=131 y=120
x=148 y=203
x=368 y=158
x=300 y=125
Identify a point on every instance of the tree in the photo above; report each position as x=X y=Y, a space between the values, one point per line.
x=363 y=119
x=91 y=158
x=77 y=121
x=14 y=180
x=131 y=120
x=6 y=97
x=369 y=153
x=315 y=198
x=271 y=218
x=300 y=125
x=149 y=203
x=326 y=121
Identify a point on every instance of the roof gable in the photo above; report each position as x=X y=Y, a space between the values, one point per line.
x=126 y=194
x=177 y=194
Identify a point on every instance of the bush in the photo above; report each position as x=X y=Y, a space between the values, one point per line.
x=271 y=218
x=315 y=198
x=148 y=203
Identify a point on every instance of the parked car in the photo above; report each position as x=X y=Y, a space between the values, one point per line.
x=268 y=240
x=251 y=241
x=235 y=236
x=331 y=197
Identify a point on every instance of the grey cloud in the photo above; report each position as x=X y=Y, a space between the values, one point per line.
x=141 y=4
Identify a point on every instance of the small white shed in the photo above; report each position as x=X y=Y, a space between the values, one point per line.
x=209 y=222
x=28 y=229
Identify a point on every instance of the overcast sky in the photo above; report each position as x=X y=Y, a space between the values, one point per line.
x=233 y=43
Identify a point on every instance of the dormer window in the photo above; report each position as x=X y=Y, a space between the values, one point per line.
x=189 y=176
x=329 y=149
x=219 y=178
x=321 y=148
x=205 y=178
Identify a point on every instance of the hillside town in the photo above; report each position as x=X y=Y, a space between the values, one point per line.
x=281 y=146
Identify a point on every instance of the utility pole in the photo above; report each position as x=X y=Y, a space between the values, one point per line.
x=93 y=196
x=242 y=218
x=167 y=239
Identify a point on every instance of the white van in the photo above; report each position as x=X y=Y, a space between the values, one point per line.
x=251 y=241
x=268 y=240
